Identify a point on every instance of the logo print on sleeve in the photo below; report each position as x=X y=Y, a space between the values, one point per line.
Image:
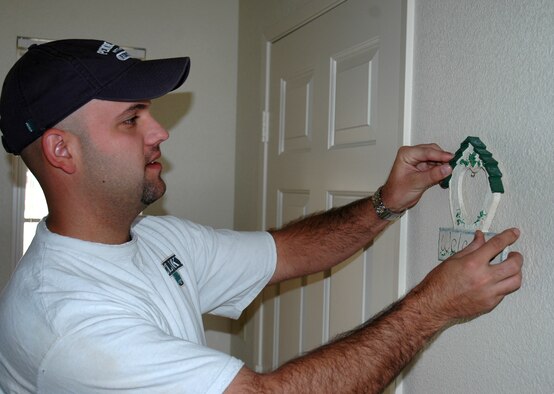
x=171 y=266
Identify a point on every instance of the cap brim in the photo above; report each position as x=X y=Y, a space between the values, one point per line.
x=147 y=80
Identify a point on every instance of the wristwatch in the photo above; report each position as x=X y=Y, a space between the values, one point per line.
x=382 y=211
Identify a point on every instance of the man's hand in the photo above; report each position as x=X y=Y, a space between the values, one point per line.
x=415 y=169
x=467 y=285
x=368 y=359
x=319 y=242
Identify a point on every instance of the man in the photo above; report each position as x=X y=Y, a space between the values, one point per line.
x=104 y=301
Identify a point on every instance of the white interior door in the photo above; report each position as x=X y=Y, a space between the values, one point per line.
x=336 y=93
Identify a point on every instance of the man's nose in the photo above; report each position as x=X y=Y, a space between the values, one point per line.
x=156 y=133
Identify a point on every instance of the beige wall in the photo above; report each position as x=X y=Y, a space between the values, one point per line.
x=200 y=154
x=485 y=68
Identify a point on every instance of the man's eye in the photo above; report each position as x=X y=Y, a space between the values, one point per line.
x=131 y=121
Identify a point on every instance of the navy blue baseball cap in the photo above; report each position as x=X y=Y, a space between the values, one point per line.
x=52 y=80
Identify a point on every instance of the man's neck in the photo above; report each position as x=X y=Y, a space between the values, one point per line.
x=105 y=230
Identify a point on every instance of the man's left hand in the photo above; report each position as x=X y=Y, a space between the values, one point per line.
x=415 y=169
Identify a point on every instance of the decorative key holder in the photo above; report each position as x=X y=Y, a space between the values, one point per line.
x=472 y=158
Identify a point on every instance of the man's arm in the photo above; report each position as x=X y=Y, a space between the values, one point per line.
x=369 y=358
x=319 y=242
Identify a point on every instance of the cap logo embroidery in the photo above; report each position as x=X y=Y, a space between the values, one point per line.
x=123 y=55
x=30 y=125
x=106 y=48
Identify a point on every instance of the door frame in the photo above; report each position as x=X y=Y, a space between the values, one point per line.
x=301 y=17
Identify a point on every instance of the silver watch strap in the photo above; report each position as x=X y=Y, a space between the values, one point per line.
x=382 y=211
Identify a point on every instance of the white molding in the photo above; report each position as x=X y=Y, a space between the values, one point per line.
x=301 y=314
x=406 y=136
x=326 y=316
x=266 y=50
x=299 y=18
x=276 y=325
x=406 y=140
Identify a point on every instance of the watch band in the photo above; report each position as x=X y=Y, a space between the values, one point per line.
x=382 y=211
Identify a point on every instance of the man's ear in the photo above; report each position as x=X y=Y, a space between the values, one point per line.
x=57 y=148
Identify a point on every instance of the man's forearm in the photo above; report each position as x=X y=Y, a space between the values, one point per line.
x=365 y=360
x=318 y=242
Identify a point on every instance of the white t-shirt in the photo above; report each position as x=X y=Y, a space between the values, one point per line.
x=82 y=317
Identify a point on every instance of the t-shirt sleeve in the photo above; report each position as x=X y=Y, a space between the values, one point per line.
x=237 y=268
x=230 y=268
x=129 y=355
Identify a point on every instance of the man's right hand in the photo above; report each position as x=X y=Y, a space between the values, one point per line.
x=368 y=358
x=467 y=285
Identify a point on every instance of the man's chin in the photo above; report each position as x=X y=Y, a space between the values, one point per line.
x=153 y=193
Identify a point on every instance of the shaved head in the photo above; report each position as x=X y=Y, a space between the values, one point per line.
x=32 y=155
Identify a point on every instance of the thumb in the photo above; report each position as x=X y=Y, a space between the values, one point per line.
x=438 y=173
x=430 y=175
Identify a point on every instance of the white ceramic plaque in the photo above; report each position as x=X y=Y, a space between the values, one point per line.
x=452 y=240
x=472 y=158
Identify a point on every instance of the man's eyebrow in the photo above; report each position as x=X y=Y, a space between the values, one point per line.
x=137 y=106
x=133 y=108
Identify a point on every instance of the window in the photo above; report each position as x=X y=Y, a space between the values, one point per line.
x=35 y=208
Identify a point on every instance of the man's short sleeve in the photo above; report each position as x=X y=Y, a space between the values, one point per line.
x=229 y=268
x=242 y=265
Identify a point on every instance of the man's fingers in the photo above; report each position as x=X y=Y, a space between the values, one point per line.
x=511 y=267
x=497 y=244
x=426 y=165
x=432 y=176
x=425 y=153
x=438 y=173
x=430 y=145
x=510 y=284
x=478 y=241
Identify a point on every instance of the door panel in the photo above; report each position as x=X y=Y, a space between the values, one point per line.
x=290 y=205
x=335 y=125
x=348 y=282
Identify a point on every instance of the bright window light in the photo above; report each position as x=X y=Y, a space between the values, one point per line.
x=35 y=208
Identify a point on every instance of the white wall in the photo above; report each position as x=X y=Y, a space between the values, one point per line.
x=485 y=68
x=200 y=154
